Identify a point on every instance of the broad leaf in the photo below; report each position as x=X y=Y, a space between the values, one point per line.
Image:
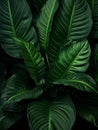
x=34 y=61
x=15 y=21
x=74 y=58
x=73 y=21
x=45 y=20
x=7 y=119
x=18 y=89
x=94 y=9
x=79 y=81
x=48 y=115
x=88 y=109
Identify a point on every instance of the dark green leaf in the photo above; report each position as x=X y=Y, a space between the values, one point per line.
x=47 y=115
x=44 y=22
x=74 y=58
x=34 y=61
x=18 y=89
x=7 y=119
x=79 y=81
x=94 y=9
x=15 y=21
x=87 y=107
x=73 y=21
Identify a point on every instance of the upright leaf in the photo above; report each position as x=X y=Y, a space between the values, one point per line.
x=79 y=81
x=74 y=58
x=73 y=21
x=47 y=115
x=15 y=21
x=44 y=22
x=34 y=61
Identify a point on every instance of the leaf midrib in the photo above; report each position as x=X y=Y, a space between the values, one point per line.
x=47 y=33
x=68 y=68
x=23 y=91
x=71 y=20
x=11 y=19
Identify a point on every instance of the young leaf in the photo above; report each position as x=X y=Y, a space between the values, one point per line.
x=94 y=8
x=73 y=21
x=47 y=115
x=44 y=22
x=79 y=81
x=15 y=21
x=74 y=58
x=17 y=89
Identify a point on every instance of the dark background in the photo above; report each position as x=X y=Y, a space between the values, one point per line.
x=80 y=124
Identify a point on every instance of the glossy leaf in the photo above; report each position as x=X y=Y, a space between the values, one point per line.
x=79 y=81
x=45 y=20
x=48 y=115
x=74 y=58
x=34 y=61
x=73 y=21
x=15 y=21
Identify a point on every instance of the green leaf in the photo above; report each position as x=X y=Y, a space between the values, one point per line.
x=15 y=21
x=88 y=109
x=79 y=81
x=74 y=58
x=34 y=61
x=44 y=22
x=7 y=119
x=73 y=21
x=94 y=8
x=18 y=89
x=51 y=115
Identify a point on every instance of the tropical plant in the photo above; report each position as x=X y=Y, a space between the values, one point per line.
x=45 y=51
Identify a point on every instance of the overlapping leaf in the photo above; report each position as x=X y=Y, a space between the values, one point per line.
x=18 y=89
x=7 y=119
x=79 y=81
x=15 y=21
x=45 y=20
x=47 y=115
x=74 y=58
x=34 y=61
x=72 y=22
